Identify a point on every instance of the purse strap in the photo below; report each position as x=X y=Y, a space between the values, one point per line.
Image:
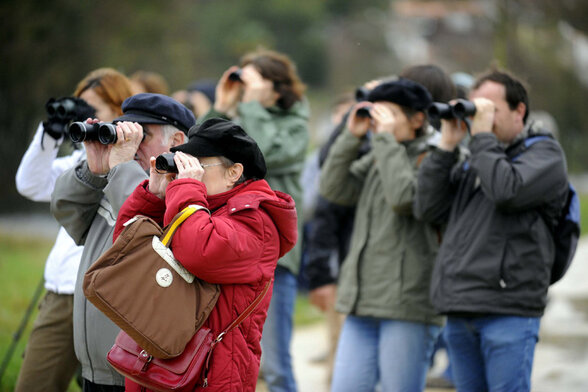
x=180 y=217
x=235 y=323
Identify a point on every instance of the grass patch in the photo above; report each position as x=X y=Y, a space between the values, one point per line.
x=305 y=313
x=584 y=214
x=22 y=261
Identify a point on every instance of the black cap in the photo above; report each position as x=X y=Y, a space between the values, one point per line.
x=220 y=137
x=149 y=108
x=402 y=92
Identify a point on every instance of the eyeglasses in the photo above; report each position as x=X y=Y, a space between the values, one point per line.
x=204 y=165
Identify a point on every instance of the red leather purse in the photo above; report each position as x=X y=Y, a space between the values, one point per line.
x=181 y=373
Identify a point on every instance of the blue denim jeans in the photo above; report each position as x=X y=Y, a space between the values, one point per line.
x=493 y=353
x=395 y=353
x=276 y=361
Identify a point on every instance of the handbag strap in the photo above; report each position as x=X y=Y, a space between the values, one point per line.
x=180 y=217
x=235 y=323
x=246 y=312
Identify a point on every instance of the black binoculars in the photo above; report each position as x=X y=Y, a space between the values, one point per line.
x=64 y=108
x=461 y=109
x=235 y=76
x=105 y=133
x=361 y=94
x=165 y=163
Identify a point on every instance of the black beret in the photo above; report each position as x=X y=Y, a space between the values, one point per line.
x=149 y=108
x=402 y=92
x=220 y=137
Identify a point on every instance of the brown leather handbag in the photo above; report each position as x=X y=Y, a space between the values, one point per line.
x=144 y=290
x=182 y=373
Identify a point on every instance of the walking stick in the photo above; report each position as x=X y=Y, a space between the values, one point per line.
x=21 y=327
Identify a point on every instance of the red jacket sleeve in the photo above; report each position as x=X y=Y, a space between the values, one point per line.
x=140 y=202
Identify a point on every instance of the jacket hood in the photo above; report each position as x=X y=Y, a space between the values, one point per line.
x=278 y=205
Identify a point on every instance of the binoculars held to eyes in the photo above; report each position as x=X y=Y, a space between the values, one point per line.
x=461 y=109
x=165 y=163
x=105 y=133
x=363 y=113
x=63 y=110
x=235 y=76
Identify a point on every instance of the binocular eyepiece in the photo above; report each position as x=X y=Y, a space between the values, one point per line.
x=165 y=163
x=235 y=76
x=105 y=133
x=363 y=113
x=460 y=110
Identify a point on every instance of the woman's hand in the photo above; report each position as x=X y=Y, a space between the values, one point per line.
x=257 y=88
x=158 y=181
x=384 y=119
x=359 y=125
x=227 y=93
x=188 y=166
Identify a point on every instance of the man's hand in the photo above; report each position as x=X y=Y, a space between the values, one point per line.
x=357 y=125
x=484 y=117
x=227 y=92
x=128 y=138
x=97 y=154
x=323 y=297
x=452 y=132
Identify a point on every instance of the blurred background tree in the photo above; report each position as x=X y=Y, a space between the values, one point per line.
x=47 y=47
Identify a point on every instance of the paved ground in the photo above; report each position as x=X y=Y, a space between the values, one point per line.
x=561 y=356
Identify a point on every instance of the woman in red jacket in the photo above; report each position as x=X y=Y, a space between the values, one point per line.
x=234 y=240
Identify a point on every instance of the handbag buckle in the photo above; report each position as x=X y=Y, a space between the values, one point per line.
x=146 y=358
x=220 y=337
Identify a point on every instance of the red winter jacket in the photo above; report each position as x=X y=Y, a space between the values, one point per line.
x=238 y=246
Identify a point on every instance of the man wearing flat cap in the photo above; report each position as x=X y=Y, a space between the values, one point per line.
x=86 y=201
x=390 y=328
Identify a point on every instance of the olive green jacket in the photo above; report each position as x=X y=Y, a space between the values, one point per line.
x=387 y=271
x=282 y=136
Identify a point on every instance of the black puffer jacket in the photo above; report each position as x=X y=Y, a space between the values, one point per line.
x=497 y=250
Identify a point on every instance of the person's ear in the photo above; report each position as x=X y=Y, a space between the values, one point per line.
x=417 y=120
x=520 y=110
x=178 y=139
x=234 y=173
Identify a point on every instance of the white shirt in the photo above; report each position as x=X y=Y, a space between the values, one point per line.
x=35 y=180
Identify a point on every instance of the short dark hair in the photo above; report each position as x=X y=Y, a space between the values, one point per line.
x=281 y=70
x=515 y=91
x=434 y=79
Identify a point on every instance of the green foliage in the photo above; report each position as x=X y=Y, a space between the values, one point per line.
x=337 y=44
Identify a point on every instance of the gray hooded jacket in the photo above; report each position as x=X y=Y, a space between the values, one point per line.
x=87 y=205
